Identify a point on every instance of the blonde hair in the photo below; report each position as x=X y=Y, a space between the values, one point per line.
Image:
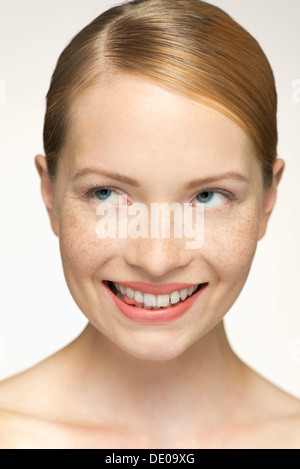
x=189 y=46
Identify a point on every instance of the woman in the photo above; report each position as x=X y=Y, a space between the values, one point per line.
x=155 y=102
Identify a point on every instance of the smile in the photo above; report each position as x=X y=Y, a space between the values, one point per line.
x=150 y=308
x=148 y=300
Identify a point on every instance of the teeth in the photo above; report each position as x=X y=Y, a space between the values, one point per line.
x=129 y=292
x=150 y=301
x=183 y=294
x=175 y=297
x=163 y=301
x=139 y=297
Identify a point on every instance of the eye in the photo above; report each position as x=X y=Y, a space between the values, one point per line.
x=211 y=198
x=106 y=194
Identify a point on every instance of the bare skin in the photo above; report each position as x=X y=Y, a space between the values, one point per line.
x=49 y=407
x=122 y=384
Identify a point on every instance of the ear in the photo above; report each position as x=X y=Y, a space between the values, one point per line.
x=47 y=189
x=270 y=197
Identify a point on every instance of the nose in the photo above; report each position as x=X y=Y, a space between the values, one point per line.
x=157 y=256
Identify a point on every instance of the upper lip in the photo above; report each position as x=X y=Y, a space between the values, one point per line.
x=157 y=289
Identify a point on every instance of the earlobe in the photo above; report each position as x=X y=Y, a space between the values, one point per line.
x=270 y=197
x=47 y=190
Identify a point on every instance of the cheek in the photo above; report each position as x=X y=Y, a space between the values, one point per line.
x=82 y=251
x=230 y=245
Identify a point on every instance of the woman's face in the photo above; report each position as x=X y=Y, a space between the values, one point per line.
x=163 y=141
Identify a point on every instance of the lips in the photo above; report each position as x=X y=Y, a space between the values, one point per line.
x=161 y=315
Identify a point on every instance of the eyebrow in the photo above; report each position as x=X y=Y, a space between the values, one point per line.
x=111 y=174
x=132 y=182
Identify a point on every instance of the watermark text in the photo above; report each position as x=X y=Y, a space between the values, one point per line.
x=163 y=220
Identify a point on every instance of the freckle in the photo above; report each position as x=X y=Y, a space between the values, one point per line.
x=231 y=244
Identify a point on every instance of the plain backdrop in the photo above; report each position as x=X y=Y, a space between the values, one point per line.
x=38 y=315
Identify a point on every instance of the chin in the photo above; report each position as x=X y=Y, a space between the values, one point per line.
x=154 y=349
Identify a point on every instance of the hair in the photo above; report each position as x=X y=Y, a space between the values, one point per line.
x=188 y=46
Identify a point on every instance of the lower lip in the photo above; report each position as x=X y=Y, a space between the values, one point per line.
x=154 y=316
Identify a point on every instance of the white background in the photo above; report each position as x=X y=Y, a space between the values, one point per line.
x=38 y=315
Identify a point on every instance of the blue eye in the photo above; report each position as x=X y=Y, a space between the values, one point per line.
x=103 y=194
x=212 y=198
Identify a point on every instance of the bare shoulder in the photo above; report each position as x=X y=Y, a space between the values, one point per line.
x=30 y=406
x=21 y=431
x=276 y=415
x=37 y=414
x=40 y=408
x=280 y=432
x=290 y=430
x=287 y=425
x=29 y=391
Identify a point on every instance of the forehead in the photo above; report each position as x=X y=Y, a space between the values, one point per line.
x=133 y=122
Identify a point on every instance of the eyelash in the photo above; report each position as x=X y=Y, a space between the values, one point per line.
x=229 y=195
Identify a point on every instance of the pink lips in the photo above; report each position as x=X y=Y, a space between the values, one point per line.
x=149 y=316
x=157 y=289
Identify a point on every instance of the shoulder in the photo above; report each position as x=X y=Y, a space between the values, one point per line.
x=275 y=415
x=290 y=431
x=21 y=427
x=31 y=408
x=21 y=431
x=40 y=408
x=282 y=432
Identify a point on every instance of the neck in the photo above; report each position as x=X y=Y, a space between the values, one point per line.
x=200 y=383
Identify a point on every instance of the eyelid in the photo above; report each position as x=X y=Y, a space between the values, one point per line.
x=218 y=190
x=90 y=192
